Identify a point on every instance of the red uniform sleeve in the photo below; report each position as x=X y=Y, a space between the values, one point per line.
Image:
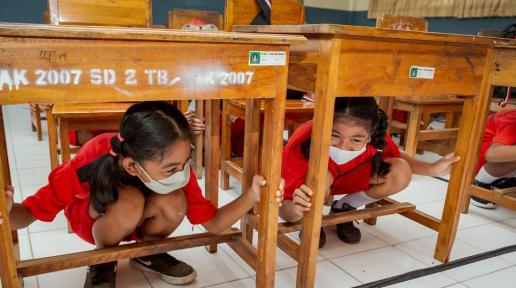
x=294 y=165
x=391 y=150
x=199 y=209
x=56 y=195
x=505 y=132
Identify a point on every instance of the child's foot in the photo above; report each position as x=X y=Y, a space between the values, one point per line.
x=347 y=232
x=101 y=276
x=322 y=237
x=167 y=267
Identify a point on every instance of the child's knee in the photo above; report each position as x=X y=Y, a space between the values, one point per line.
x=128 y=209
x=400 y=173
x=172 y=207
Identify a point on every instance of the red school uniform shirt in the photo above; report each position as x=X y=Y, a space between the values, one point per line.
x=500 y=128
x=350 y=177
x=69 y=184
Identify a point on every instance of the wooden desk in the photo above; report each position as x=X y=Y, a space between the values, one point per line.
x=339 y=60
x=59 y=64
x=502 y=74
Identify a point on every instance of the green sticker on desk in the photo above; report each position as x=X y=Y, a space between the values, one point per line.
x=267 y=58
x=420 y=72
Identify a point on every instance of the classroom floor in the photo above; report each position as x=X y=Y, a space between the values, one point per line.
x=395 y=245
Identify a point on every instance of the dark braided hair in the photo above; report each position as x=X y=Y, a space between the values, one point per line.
x=365 y=112
x=147 y=130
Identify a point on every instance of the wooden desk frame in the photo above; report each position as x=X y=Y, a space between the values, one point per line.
x=33 y=47
x=503 y=74
x=339 y=60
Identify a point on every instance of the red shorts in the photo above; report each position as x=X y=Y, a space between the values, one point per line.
x=81 y=222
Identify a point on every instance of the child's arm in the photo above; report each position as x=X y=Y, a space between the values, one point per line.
x=233 y=211
x=501 y=153
x=440 y=167
x=19 y=215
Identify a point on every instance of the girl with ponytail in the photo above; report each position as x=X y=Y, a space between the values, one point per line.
x=364 y=164
x=135 y=184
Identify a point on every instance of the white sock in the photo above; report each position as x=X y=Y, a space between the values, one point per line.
x=355 y=200
x=484 y=177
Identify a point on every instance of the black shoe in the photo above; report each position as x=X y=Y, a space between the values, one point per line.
x=322 y=237
x=167 y=267
x=101 y=276
x=347 y=232
x=481 y=203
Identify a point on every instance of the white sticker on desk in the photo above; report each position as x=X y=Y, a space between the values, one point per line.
x=267 y=58
x=421 y=72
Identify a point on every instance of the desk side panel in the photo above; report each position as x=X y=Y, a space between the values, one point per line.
x=383 y=68
x=38 y=70
x=504 y=70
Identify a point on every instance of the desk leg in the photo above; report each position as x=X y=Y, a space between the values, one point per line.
x=327 y=73
x=270 y=168
x=8 y=272
x=65 y=139
x=52 y=138
x=250 y=161
x=225 y=144
x=467 y=147
x=199 y=139
x=414 y=122
x=212 y=155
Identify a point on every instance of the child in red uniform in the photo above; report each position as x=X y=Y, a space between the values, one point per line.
x=497 y=162
x=357 y=167
x=133 y=185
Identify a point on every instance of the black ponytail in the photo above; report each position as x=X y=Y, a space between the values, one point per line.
x=146 y=131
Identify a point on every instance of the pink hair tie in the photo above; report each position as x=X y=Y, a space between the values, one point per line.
x=120 y=138
x=113 y=153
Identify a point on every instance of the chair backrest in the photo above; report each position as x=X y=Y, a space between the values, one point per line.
x=242 y=12
x=128 y=13
x=177 y=18
x=402 y=23
x=287 y=12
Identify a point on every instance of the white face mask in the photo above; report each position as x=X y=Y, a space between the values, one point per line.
x=340 y=156
x=171 y=183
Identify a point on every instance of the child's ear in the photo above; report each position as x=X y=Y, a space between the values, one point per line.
x=129 y=166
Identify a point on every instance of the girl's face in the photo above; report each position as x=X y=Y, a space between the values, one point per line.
x=174 y=160
x=349 y=135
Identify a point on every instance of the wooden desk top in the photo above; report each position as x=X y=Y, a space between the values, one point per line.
x=430 y=100
x=142 y=34
x=79 y=64
x=362 y=31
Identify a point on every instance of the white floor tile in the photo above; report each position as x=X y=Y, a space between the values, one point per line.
x=488 y=237
x=57 y=242
x=505 y=278
x=377 y=264
x=336 y=248
x=211 y=269
x=327 y=275
x=59 y=223
x=395 y=229
x=244 y=283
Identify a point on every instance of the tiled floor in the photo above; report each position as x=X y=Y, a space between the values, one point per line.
x=395 y=245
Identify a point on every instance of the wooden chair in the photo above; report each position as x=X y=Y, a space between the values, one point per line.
x=414 y=134
x=35 y=117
